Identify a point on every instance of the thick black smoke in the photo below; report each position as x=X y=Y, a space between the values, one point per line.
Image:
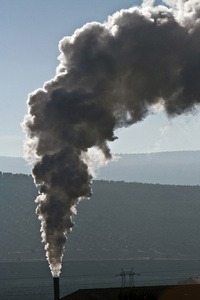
x=109 y=77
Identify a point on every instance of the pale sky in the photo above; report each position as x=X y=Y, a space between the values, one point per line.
x=30 y=32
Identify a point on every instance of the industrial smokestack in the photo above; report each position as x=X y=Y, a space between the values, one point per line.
x=56 y=288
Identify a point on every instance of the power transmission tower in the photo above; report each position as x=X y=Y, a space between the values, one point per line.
x=127 y=278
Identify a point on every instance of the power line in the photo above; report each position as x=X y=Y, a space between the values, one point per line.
x=98 y=275
x=91 y=283
x=171 y=271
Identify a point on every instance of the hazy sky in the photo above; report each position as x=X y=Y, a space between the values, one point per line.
x=30 y=32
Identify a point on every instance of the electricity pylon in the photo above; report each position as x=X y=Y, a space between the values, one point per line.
x=127 y=278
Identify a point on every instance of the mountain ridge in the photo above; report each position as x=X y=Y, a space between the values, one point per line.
x=177 y=167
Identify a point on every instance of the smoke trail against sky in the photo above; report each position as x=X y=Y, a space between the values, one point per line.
x=110 y=75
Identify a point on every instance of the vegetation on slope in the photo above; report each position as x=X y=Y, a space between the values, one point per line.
x=120 y=221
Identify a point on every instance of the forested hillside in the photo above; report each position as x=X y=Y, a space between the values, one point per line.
x=121 y=220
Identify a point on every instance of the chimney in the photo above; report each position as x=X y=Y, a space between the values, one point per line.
x=56 y=288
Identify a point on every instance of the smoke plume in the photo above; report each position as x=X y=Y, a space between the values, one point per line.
x=109 y=76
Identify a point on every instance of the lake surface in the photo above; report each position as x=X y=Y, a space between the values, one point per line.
x=33 y=281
